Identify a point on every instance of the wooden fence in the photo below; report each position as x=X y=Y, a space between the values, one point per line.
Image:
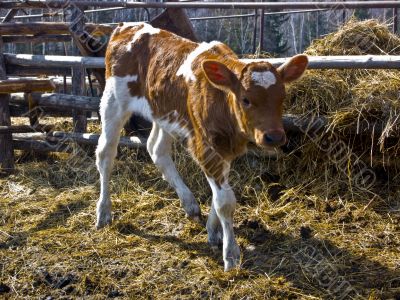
x=34 y=97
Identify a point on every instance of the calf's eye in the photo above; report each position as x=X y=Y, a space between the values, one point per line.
x=246 y=102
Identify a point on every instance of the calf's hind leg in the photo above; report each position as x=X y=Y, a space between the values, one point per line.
x=113 y=117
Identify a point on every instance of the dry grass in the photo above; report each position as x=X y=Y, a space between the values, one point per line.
x=306 y=229
x=50 y=247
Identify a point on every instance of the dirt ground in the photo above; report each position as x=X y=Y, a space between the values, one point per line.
x=298 y=241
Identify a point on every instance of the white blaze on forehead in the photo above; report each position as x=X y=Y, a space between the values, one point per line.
x=185 y=69
x=264 y=79
x=146 y=29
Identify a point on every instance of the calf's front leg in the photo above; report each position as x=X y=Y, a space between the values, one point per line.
x=159 y=147
x=224 y=203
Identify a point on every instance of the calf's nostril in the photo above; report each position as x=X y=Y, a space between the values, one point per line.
x=268 y=139
x=274 y=138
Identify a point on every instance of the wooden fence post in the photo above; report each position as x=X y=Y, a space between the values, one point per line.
x=261 y=42
x=78 y=88
x=77 y=24
x=6 y=144
x=255 y=31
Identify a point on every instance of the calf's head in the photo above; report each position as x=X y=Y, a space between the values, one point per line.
x=256 y=95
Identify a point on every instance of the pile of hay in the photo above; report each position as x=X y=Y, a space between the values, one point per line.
x=354 y=98
x=357 y=38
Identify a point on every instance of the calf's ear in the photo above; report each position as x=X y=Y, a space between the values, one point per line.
x=293 y=68
x=219 y=75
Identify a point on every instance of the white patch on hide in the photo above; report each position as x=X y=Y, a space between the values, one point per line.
x=177 y=127
x=146 y=29
x=134 y=104
x=185 y=69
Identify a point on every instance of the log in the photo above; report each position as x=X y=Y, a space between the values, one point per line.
x=40 y=146
x=53 y=104
x=342 y=61
x=43 y=28
x=316 y=62
x=292 y=123
x=26 y=85
x=62 y=101
x=14 y=70
x=54 y=61
x=80 y=138
x=60 y=4
x=35 y=39
x=23 y=111
x=24 y=128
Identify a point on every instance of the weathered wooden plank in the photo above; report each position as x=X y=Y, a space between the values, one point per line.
x=14 y=70
x=316 y=62
x=35 y=39
x=24 y=128
x=43 y=28
x=9 y=86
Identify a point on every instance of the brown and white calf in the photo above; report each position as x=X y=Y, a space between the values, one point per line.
x=199 y=91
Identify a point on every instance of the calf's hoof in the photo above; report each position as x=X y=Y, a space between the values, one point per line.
x=103 y=219
x=193 y=213
x=197 y=219
x=215 y=238
x=232 y=258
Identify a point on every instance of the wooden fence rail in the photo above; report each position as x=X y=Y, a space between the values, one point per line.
x=62 y=138
x=61 y=4
x=315 y=62
x=8 y=86
x=49 y=28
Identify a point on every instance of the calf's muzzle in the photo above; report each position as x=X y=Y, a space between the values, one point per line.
x=274 y=138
